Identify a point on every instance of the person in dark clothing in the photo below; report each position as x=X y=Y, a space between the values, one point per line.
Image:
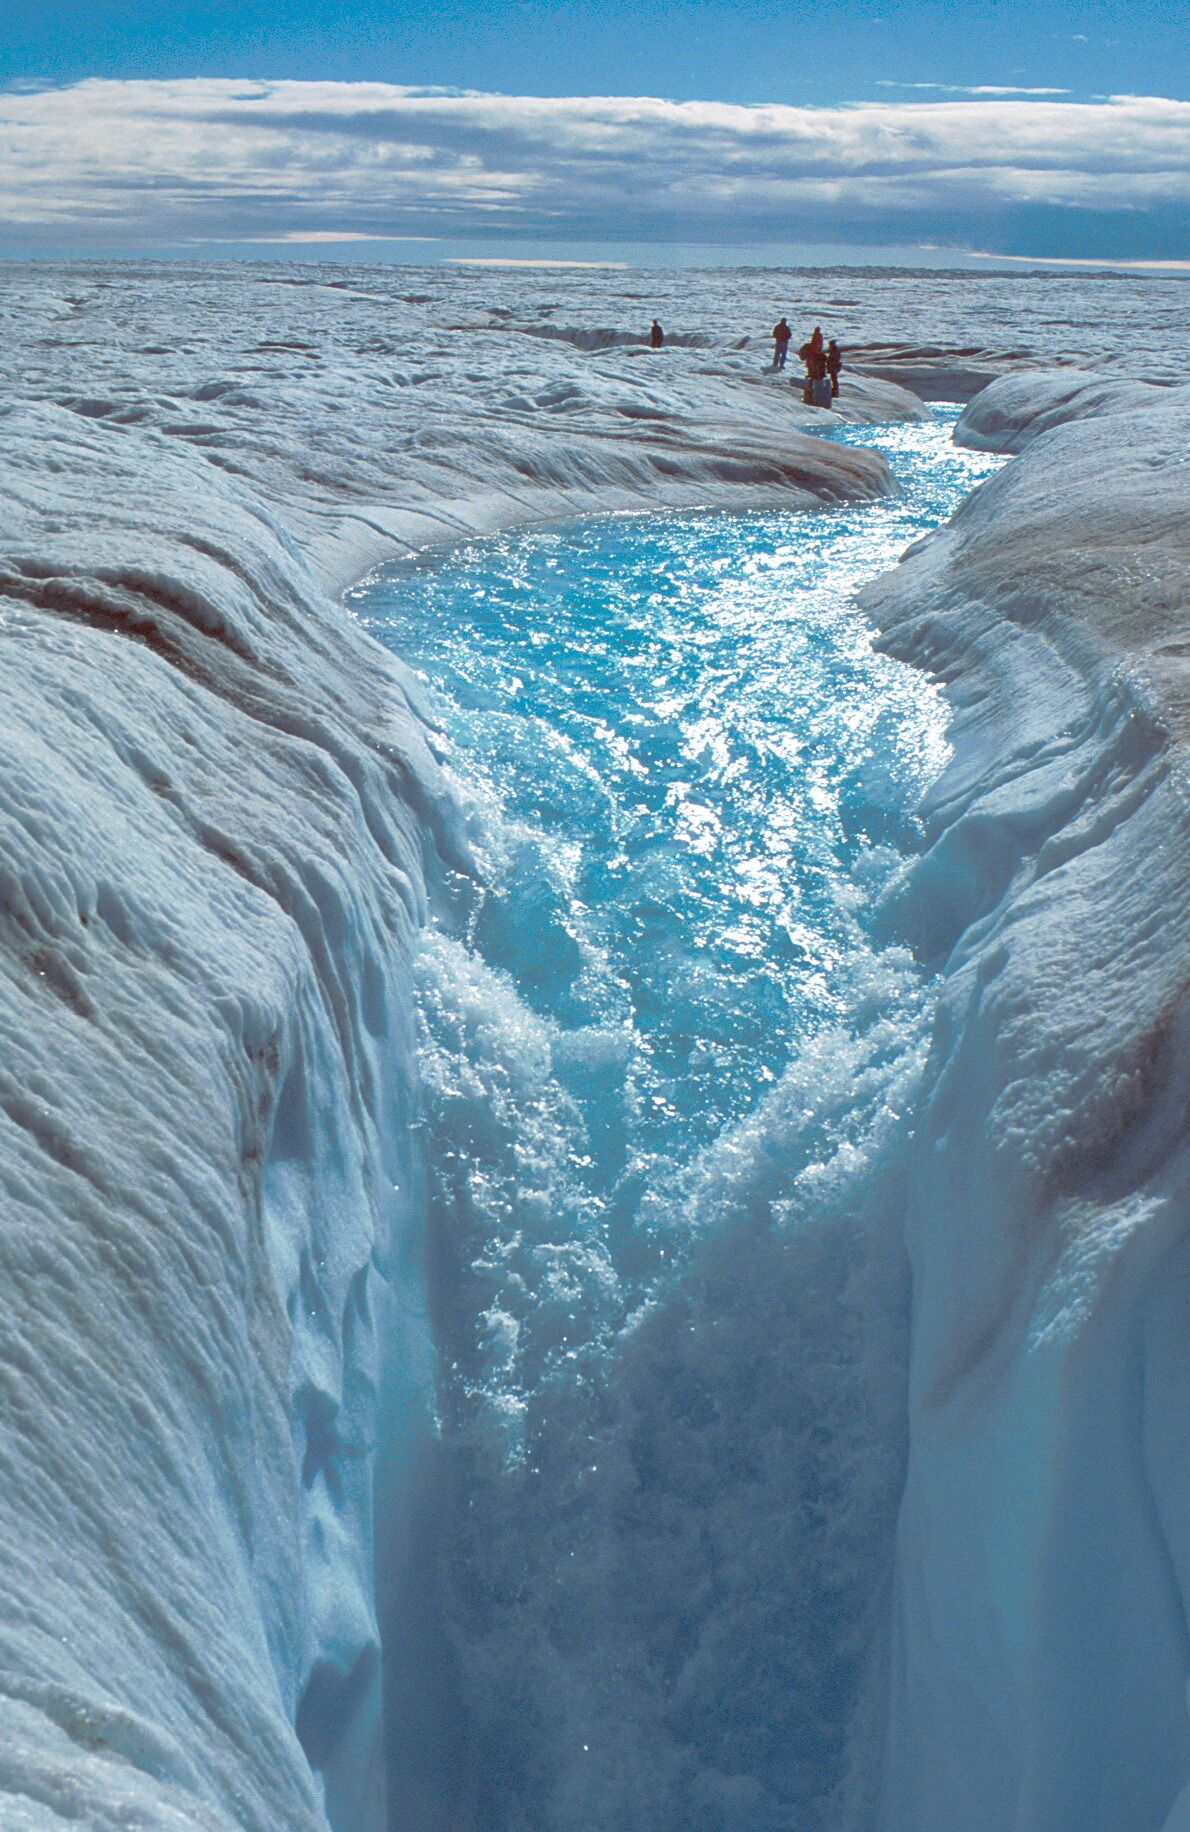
x=782 y=336
x=656 y=336
x=834 y=362
x=813 y=354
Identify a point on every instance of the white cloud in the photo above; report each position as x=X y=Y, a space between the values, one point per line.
x=122 y=164
x=1066 y=260
x=971 y=88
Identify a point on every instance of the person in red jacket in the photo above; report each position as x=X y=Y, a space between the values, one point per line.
x=813 y=354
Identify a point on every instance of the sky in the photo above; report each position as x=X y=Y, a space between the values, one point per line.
x=858 y=129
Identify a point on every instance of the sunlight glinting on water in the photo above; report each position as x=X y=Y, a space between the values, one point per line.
x=666 y=1072
x=689 y=767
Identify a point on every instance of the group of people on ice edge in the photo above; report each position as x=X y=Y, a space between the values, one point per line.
x=823 y=360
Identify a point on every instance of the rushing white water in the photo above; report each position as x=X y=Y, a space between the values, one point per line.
x=217 y=804
x=666 y=1066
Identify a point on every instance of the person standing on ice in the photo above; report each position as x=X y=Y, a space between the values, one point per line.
x=834 y=362
x=813 y=354
x=656 y=336
x=782 y=336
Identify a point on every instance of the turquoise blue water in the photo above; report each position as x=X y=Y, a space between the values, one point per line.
x=665 y=1074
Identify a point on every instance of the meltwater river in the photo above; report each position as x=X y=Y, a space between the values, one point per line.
x=666 y=1069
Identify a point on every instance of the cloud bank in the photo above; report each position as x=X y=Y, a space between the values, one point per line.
x=122 y=165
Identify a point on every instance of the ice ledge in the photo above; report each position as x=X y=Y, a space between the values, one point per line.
x=216 y=801
x=1016 y=409
x=1038 y=1657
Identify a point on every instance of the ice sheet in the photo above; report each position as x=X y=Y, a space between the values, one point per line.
x=218 y=802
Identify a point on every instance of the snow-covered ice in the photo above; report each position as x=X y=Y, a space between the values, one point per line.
x=220 y=804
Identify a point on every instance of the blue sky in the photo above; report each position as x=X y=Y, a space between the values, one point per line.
x=837 y=50
x=926 y=130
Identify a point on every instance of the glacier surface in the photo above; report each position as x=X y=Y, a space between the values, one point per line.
x=1038 y=1658
x=221 y=806
x=219 y=800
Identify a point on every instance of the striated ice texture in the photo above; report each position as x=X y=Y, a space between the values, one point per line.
x=212 y=844
x=1012 y=413
x=220 y=807
x=217 y=805
x=1038 y=1660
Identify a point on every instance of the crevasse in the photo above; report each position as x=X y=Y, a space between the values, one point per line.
x=217 y=807
x=666 y=1072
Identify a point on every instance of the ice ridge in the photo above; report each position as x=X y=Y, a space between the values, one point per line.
x=214 y=820
x=1037 y=1664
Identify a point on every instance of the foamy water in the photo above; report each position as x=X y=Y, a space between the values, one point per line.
x=665 y=1072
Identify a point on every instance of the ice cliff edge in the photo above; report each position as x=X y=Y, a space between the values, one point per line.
x=213 y=817
x=1039 y=1645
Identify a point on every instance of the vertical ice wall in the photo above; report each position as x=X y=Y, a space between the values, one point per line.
x=1040 y=1649
x=211 y=825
